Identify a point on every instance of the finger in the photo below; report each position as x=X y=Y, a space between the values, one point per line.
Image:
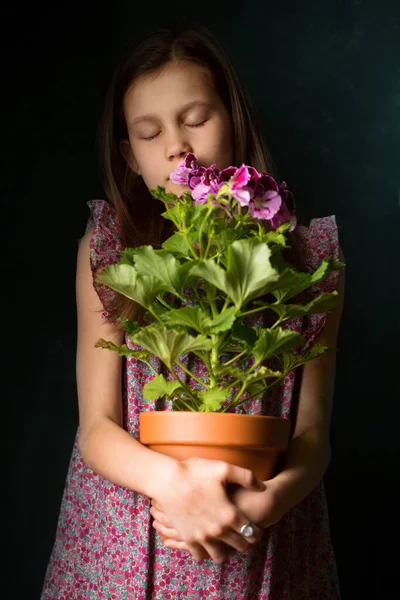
x=168 y=532
x=241 y=476
x=156 y=505
x=218 y=551
x=235 y=539
x=200 y=553
x=160 y=517
x=174 y=545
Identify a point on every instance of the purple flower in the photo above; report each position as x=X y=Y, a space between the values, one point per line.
x=227 y=173
x=181 y=174
x=265 y=206
x=237 y=185
x=195 y=177
x=259 y=191
x=210 y=183
x=287 y=210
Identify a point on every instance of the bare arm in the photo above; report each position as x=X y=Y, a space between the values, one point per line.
x=105 y=446
x=309 y=451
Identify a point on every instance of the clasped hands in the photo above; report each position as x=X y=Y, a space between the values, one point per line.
x=258 y=503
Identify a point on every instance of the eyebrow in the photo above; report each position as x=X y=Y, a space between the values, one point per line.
x=153 y=116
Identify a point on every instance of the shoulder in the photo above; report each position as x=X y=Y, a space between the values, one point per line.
x=99 y=247
x=319 y=240
x=84 y=245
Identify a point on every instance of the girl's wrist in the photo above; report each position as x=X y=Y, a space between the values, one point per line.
x=162 y=474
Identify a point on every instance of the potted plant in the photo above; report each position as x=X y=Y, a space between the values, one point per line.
x=222 y=267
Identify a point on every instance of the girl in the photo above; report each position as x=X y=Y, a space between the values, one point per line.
x=176 y=92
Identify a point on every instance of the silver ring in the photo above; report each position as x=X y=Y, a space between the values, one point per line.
x=247 y=530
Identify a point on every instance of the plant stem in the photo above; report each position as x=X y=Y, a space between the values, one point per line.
x=226 y=304
x=161 y=301
x=208 y=247
x=267 y=388
x=234 y=401
x=187 y=405
x=189 y=244
x=201 y=231
x=232 y=360
x=278 y=322
x=253 y=310
x=150 y=366
x=182 y=366
x=155 y=315
x=199 y=299
x=184 y=386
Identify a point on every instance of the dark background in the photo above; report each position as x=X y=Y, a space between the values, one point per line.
x=325 y=78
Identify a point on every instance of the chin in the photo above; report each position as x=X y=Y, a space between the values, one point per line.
x=174 y=187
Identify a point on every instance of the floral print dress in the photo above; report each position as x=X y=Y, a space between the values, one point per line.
x=105 y=546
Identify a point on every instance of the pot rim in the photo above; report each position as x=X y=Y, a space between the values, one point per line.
x=204 y=415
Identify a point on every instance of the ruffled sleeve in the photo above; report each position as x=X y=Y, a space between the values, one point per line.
x=318 y=241
x=104 y=248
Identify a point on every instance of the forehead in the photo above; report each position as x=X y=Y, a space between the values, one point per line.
x=176 y=86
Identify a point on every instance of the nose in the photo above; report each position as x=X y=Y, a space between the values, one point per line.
x=177 y=146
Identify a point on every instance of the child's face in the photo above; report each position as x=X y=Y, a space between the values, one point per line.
x=162 y=99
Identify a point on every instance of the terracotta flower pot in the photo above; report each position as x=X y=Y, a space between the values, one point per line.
x=249 y=441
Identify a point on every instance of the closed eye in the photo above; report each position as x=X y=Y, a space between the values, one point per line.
x=148 y=139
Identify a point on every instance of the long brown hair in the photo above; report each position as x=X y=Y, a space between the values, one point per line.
x=139 y=214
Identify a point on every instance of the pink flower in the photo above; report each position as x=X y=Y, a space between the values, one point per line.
x=181 y=174
x=287 y=210
x=282 y=216
x=259 y=191
x=210 y=183
x=265 y=206
x=195 y=177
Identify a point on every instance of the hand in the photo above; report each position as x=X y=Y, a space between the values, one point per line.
x=199 y=512
x=263 y=509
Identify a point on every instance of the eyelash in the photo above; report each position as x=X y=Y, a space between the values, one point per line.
x=154 y=136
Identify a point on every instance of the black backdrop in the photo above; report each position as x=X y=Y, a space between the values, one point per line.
x=325 y=79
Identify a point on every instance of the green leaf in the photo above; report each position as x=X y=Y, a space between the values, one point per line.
x=256 y=389
x=167 y=197
x=321 y=304
x=188 y=316
x=176 y=244
x=292 y=361
x=223 y=321
x=273 y=237
x=262 y=373
x=225 y=237
x=186 y=278
x=123 y=350
x=212 y=399
x=284 y=227
x=275 y=341
x=123 y=278
x=211 y=272
x=169 y=345
x=293 y=282
x=236 y=373
x=231 y=346
x=160 y=264
x=245 y=334
x=249 y=272
x=159 y=387
x=127 y=257
x=128 y=326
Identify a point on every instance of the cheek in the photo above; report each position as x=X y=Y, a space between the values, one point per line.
x=222 y=142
